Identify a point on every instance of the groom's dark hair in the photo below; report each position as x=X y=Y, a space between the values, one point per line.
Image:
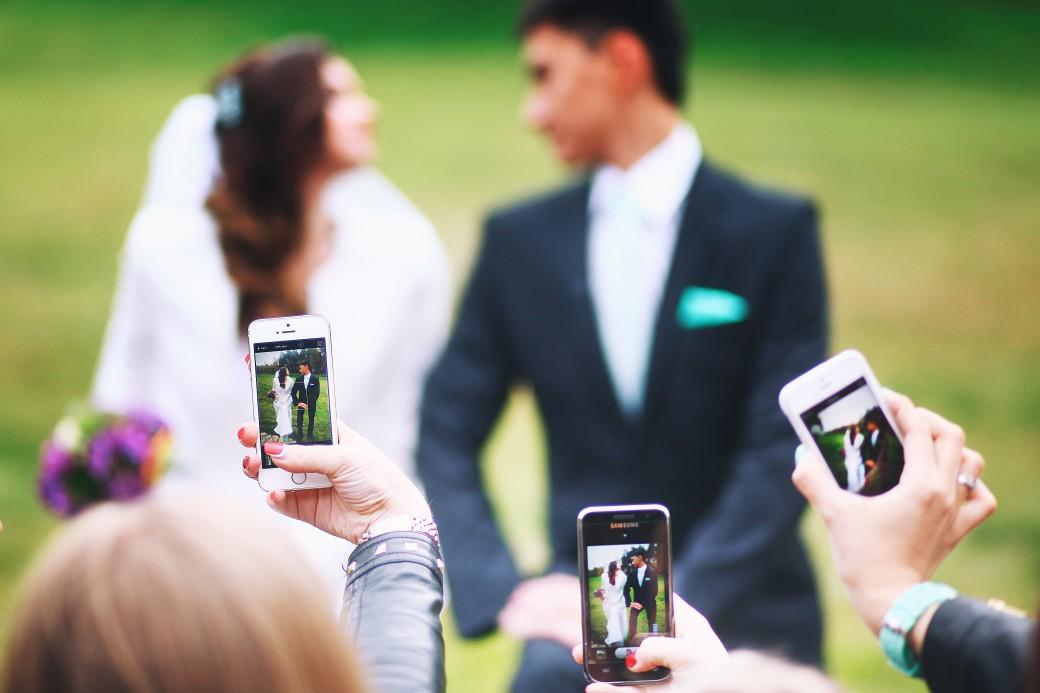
x=641 y=553
x=305 y=363
x=658 y=24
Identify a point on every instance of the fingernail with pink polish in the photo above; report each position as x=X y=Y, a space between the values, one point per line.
x=274 y=449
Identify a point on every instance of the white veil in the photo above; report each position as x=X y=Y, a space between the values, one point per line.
x=185 y=158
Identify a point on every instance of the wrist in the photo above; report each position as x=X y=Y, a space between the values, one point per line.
x=906 y=622
x=421 y=524
x=873 y=597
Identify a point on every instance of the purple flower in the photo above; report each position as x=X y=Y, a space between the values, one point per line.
x=54 y=495
x=108 y=465
x=132 y=443
x=101 y=453
x=145 y=421
x=125 y=486
x=54 y=460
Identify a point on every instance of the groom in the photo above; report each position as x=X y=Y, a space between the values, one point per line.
x=642 y=583
x=305 y=393
x=654 y=308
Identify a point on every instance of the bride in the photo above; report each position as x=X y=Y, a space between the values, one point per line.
x=612 y=584
x=267 y=191
x=282 y=389
x=855 y=474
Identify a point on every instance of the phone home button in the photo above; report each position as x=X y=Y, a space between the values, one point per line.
x=298 y=478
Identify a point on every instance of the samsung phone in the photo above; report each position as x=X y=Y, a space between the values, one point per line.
x=625 y=560
x=838 y=408
x=293 y=392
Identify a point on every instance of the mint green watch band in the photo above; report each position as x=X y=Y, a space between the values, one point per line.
x=901 y=618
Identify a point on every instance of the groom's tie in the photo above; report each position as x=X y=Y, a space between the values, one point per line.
x=625 y=316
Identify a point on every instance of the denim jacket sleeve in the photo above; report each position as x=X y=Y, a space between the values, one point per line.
x=391 y=611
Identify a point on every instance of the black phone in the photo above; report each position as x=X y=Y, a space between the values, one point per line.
x=625 y=567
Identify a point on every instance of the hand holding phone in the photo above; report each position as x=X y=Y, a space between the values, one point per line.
x=883 y=545
x=694 y=650
x=625 y=551
x=291 y=365
x=365 y=485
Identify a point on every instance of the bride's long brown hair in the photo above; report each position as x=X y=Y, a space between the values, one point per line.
x=271 y=134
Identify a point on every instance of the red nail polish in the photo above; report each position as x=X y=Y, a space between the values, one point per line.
x=245 y=462
x=241 y=432
x=630 y=660
x=274 y=449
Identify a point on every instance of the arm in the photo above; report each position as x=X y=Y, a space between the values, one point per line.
x=969 y=646
x=734 y=549
x=464 y=395
x=391 y=610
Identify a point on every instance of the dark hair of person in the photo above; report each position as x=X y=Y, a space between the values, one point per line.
x=853 y=432
x=641 y=553
x=268 y=147
x=612 y=571
x=659 y=24
x=283 y=372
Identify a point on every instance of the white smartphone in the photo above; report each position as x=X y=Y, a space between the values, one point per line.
x=293 y=392
x=838 y=407
x=625 y=569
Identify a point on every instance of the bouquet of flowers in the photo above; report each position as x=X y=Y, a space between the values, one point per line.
x=94 y=456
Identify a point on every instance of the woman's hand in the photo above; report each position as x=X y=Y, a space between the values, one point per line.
x=695 y=645
x=885 y=544
x=366 y=486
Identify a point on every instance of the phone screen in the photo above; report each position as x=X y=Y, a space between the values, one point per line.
x=626 y=591
x=856 y=439
x=292 y=393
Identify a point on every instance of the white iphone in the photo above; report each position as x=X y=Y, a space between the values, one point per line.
x=838 y=408
x=293 y=392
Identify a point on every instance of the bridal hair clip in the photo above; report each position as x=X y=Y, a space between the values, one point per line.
x=229 y=103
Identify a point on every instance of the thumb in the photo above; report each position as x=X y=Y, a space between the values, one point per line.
x=664 y=652
x=309 y=459
x=814 y=480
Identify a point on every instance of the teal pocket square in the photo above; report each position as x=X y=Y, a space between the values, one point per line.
x=700 y=306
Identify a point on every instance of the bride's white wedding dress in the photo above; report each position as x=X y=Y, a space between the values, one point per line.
x=385 y=289
x=614 y=606
x=282 y=406
x=854 y=469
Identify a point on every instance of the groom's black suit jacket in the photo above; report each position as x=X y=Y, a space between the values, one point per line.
x=711 y=442
x=645 y=593
x=310 y=396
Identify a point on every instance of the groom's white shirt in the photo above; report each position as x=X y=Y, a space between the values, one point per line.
x=634 y=217
x=172 y=343
x=640 y=572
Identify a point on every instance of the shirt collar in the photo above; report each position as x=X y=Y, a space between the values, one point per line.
x=658 y=182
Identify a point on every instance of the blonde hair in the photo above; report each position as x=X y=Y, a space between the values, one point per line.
x=174 y=595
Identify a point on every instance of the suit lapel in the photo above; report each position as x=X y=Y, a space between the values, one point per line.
x=688 y=263
x=591 y=360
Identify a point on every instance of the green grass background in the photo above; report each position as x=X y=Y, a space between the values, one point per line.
x=598 y=620
x=268 y=417
x=913 y=124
